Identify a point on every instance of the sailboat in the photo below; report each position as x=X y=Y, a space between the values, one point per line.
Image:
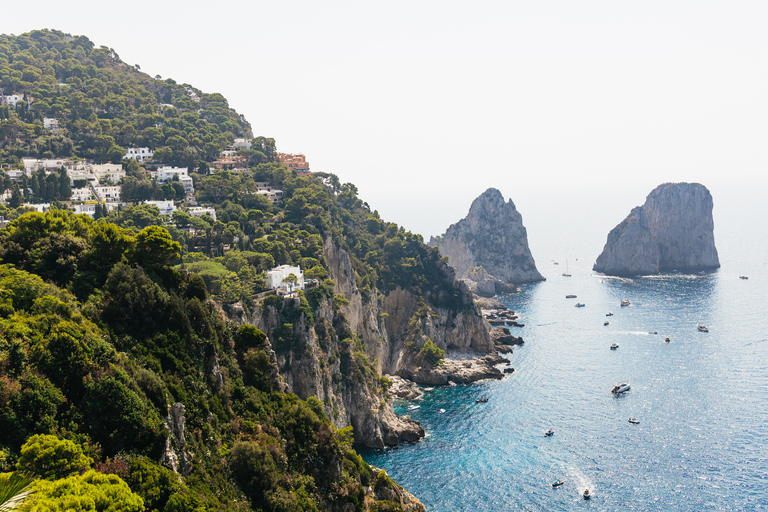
x=566 y=273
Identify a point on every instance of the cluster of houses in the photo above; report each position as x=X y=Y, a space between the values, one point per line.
x=93 y=184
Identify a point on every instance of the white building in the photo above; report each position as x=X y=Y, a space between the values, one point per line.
x=199 y=211
x=166 y=207
x=95 y=174
x=85 y=209
x=241 y=144
x=51 y=164
x=166 y=174
x=140 y=154
x=107 y=194
x=82 y=194
x=51 y=124
x=273 y=195
x=42 y=207
x=276 y=277
x=12 y=99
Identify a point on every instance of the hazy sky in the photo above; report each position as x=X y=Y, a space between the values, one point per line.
x=561 y=105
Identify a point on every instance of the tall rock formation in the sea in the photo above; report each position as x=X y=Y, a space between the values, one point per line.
x=491 y=236
x=673 y=230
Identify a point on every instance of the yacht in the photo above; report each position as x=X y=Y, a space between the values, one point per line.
x=634 y=421
x=606 y=322
x=580 y=305
x=413 y=407
x=570 y=296
x=549 y=432
x=614 y=346
x=743 y=277
x=620 y=388
x=624 y=303
x=610 y=313
x=703 y=328
x=587 y=494
x=558 y=483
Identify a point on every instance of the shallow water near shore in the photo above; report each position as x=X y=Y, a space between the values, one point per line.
x=701 y=399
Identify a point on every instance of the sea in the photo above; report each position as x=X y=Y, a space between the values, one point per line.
x=701 y=399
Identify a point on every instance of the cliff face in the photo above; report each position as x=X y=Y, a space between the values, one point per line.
x=318 y=363
x=492 y=235
x=673 y=230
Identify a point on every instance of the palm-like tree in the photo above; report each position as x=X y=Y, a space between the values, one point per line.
x=14 y=491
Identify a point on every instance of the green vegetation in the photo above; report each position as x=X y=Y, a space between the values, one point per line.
x=104 y=106
x=105 y=323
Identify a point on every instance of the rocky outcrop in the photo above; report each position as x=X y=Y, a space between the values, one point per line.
x=483 y=284
x=175 y=455
x=323 y=358
x=672 y=231
x=459 y=371
x=491 y=236
x=501 y=336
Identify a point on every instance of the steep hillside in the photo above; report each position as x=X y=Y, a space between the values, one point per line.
x=103 y=105
x=153 y=342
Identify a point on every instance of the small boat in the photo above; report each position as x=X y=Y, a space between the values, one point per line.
x=634 y=421
x=441 y=411
x=566 y=273
x=614 y=346
x=549 y=432
x=653 y=332
x=429 y=389
x=609 y=313
x=624 y=303
x=481 y=400
x=558 y=483
x=606 y=322
x=743 y=277
x=556 y=263
x=587 y=494
x=570 y=296
x=667 y=339
x=703 y=328
x=413 y=407
x=580 y=305
x=620 y=388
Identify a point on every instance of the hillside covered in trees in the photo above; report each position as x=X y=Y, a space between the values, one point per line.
x=103 y=106
x=131 y=365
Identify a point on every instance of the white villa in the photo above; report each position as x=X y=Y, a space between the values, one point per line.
x=199 y=211
x=95 y=174
x=276 y=277
x=82 y=194
x=166 y=207
x=107 y=194
x=166 y=174
x=140 y=154
x=51 y=124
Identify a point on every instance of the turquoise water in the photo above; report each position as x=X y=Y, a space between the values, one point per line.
x=702 y=400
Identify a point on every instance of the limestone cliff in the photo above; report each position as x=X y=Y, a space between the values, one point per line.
x=491 y=236
x=673 y=230
x=328 y=357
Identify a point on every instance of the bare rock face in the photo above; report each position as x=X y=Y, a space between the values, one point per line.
x=492 y=235
x=672 y=231
x=319 y=363
x=176 y=455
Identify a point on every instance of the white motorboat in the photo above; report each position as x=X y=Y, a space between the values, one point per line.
x=620 y=388
x=625 y=303
x=703 y=328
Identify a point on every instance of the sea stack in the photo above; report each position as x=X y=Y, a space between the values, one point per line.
x=491 y=236
x=672 y=231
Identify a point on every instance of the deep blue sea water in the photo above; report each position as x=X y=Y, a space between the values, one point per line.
x=702 y=399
